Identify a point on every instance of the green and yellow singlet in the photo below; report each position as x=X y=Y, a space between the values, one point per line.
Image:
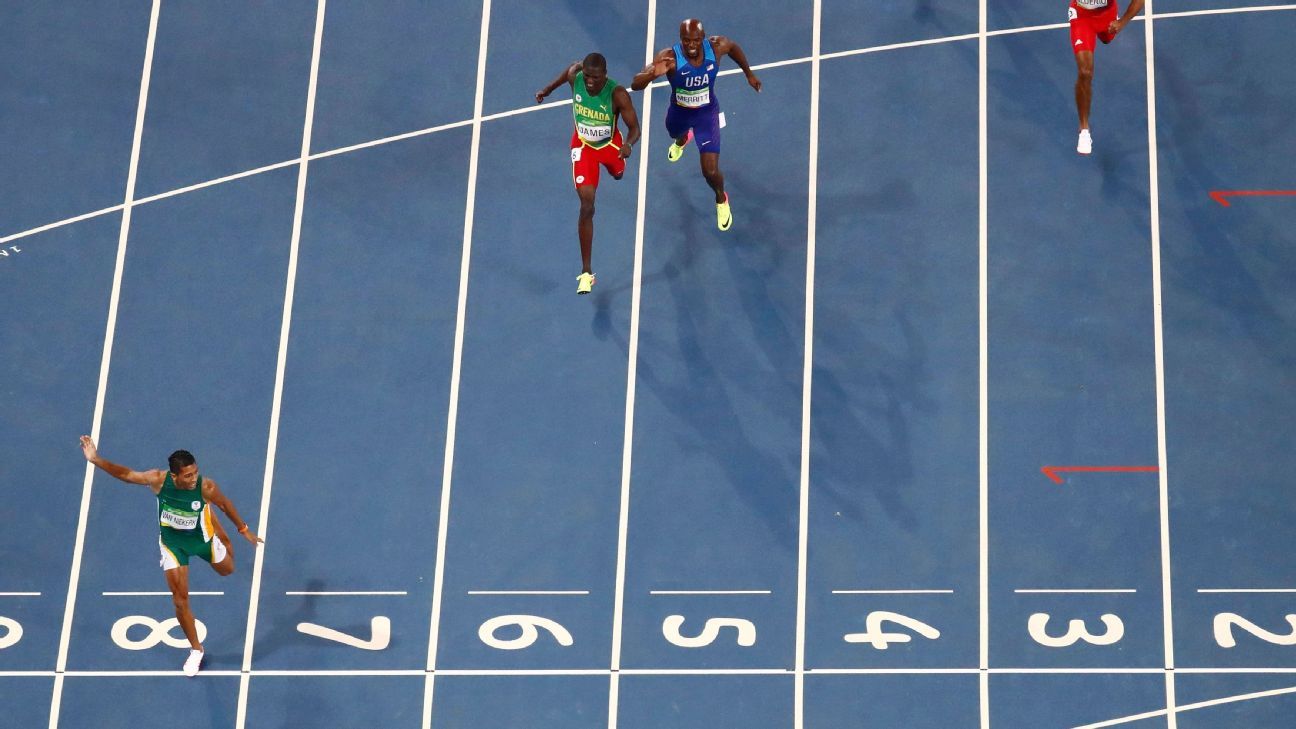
x=595 y=116
x=184 y=512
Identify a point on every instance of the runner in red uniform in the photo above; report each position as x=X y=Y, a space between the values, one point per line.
x=1093 y=20
x=598 y=104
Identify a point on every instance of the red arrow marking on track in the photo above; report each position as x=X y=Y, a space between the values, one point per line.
x=1220 y=195
x=1052 y=471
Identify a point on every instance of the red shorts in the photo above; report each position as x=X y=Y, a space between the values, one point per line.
x=1088 y=25
x=586 y=160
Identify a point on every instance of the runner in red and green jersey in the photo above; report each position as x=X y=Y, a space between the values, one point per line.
x=597 y=103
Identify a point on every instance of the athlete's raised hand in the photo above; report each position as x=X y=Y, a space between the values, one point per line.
x=88 y=448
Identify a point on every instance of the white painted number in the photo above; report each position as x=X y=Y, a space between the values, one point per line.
x=880 y=639
x=710 y=631
x=13 y=632
x=1224 y=623
x=1037 y=625
x=379 y=632
x=160 y=633
x=528 y=624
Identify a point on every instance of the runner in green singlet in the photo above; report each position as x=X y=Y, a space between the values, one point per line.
x=597 y=103
x=187 y=528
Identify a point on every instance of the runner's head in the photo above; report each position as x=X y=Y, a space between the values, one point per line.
x=595 y=69
x=183 y=468
x=691 y=36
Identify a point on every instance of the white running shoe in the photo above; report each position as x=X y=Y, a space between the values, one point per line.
x=192 y=663
x=1085 y=144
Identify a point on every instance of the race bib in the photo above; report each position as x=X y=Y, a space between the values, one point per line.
x=576 y=153
x=693 y=99
x=1072 y=14
x=179 y=520
x=1091 y=4
x=595 y=135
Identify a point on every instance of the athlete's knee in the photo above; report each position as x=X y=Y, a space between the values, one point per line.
x=225 y=568
x=1084 y=67
x=181 y=602
x=587 y=208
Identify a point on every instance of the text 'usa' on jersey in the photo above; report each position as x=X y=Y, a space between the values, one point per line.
x=694 y=86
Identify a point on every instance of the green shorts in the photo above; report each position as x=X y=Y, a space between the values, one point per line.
x=177 y=547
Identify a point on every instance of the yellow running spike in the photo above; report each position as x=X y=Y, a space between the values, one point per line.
x=724 y=216
x=676 y=150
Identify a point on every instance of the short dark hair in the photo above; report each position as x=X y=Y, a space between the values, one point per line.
x=179 y=460
x=595 y=60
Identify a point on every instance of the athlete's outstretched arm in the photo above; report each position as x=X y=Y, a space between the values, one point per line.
x=213 y=494
x=662 y=64
x=727 y=47
x=566 y=77
x=625 y=109
x=1135 y=7
x=153 y=479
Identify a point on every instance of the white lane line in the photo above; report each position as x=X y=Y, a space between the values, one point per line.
x=898 y=46
x=1223 y=11
x=807 y=374
x=1075 y=591
x=217 y=181
x=529 y=109
x=61 y=223
x=710 y=592
x=1163 y=471
x=1170 y=714
x=632 y=368
x=893 y=592
x=1028 y=29
x=346 y=593
x=285 y=329
x=389 y=140
x=456 y=366
x=1267 y=669
x=1005 y=671
x=105 y=362
x=20 y=594
x=983 y=366
x=679 y=671
x=526 y=109
x=1247 y=590
x=160 y=594
x=764 y=66
x=528 y=592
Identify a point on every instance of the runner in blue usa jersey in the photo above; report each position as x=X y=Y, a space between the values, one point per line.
x=694 y=112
